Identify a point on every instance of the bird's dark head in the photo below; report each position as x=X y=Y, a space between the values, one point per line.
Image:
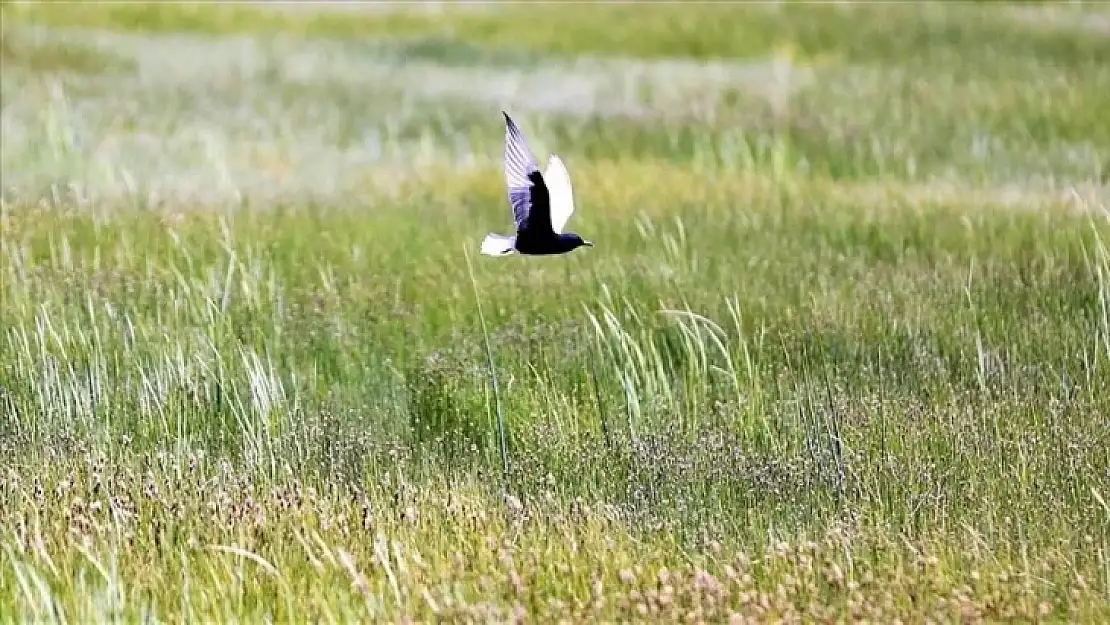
x=572 y=241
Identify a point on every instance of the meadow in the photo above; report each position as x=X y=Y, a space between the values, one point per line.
x=841 y=350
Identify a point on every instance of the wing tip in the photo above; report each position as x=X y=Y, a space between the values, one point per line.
x=556 y=165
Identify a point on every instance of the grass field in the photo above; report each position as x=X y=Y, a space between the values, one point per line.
x=841 y=350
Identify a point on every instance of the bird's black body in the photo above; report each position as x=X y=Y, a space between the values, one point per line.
x=535 y=237
x=545 y=246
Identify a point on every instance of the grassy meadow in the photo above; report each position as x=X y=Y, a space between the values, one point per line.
x=841 y=351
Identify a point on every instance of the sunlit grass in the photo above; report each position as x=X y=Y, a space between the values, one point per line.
x=840 y=351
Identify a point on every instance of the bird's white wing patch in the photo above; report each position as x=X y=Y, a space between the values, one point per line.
x=559 y=191
x=497 y=245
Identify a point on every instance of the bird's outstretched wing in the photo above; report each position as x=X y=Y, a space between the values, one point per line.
x=559 y=191
x=527 y=191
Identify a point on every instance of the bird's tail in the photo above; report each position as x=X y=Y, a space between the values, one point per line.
x=498 y=245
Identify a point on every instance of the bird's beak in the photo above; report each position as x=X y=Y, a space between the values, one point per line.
x=587 y=243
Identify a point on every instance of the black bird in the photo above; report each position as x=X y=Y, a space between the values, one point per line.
x=542 y=203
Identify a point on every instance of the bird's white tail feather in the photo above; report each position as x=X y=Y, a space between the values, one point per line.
x=498 y=245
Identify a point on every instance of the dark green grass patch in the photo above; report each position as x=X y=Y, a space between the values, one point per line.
x=938 y=33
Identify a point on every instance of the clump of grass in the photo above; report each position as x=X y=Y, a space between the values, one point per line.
x=827 y=361
x=385 y=549
x=41 y=54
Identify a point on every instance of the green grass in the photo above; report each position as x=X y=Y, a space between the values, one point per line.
x=840 y=351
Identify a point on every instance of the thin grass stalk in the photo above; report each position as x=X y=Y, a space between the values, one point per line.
x=492 y=376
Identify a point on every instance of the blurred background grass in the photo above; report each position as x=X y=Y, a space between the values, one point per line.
x=840 y=352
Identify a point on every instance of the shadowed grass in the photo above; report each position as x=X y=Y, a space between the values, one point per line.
x=51 y=57
x=930 y=33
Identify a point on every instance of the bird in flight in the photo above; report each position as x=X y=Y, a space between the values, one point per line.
x=542 y=203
